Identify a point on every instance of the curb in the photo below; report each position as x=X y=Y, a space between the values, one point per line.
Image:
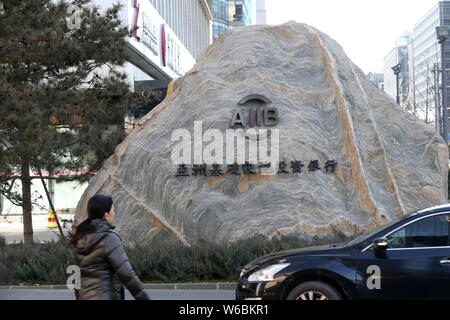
x=162 y=286
x=193 y=286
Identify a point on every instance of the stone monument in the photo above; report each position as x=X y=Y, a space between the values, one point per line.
x=342 y=153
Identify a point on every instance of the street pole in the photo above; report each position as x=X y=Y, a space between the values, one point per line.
x=444 y=95
x=437 y=112
x=442 y=35
x=398 y=95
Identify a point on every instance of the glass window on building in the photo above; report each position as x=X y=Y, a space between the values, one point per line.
x=238 y=15
x=249 y=13
x=243 y=10
x=218 y=29
x=220 y=9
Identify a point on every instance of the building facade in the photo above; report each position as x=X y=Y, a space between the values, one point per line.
x=229 y=14
x=190 y=20
x=412 y=78
x=389 y=61
x=220 y=17
x=427 y=55
x=171 y=35
x=261 y=12
x=399 y=55
x=377 y=79
x=241 y=13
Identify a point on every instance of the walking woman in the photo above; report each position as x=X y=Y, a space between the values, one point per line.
x=101 y=257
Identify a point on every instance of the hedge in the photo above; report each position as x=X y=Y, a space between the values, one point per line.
x=46 y=263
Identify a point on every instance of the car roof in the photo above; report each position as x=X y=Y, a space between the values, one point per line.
x=435 y=209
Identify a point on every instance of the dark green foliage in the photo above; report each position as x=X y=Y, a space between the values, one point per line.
x=59 y=88
x=46 y=263
x=210 y=261
x=63 y=95
x=35 y=263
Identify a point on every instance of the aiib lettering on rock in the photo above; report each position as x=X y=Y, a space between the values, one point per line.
x=256 y=117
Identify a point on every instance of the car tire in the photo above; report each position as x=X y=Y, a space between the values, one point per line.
x=314 y=290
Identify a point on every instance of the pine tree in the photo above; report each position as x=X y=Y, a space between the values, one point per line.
x=61 y=85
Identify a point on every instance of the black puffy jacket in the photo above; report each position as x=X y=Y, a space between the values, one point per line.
x=104 y=266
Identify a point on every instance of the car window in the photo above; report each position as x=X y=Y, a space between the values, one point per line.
x=366 y=236
x=428 y=232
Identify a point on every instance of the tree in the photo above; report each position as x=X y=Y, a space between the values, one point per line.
x=60 y=86
x=426 y=94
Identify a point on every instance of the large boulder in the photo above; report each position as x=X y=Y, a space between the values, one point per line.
x=389 y=163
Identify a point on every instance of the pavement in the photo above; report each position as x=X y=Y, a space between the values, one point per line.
x=11 y=227
x=38 y=235
x=195 y=291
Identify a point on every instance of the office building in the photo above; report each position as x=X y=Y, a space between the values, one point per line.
x=171 y=35
x=261 y=12
x=427 y=53
x=229 y=14
x=411 y=106
x=220 y=17
x=241 y=13
x=399 y=55
x=377 y=79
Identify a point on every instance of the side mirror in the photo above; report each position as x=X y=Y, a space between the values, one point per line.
x=380 y=244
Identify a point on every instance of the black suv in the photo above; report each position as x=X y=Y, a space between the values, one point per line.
x=406 y=259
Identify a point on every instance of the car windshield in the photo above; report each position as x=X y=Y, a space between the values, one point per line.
x=366 y=236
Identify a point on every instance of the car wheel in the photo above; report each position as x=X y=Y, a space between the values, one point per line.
x=314 y=290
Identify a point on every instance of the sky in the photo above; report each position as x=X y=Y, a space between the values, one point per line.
x=366 y=29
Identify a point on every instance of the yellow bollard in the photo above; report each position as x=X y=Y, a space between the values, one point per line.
x=51 y=220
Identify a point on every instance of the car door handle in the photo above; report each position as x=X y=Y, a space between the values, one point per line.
x=445 y=261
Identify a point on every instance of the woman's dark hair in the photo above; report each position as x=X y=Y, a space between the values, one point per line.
x=97 y=206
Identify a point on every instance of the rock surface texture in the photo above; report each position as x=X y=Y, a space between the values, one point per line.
x=389 y=162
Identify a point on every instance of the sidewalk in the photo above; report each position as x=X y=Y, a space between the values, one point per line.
x=149 y=286
x=14 y=223
x=11 y=227
x=53 y=295
x=175 y=291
